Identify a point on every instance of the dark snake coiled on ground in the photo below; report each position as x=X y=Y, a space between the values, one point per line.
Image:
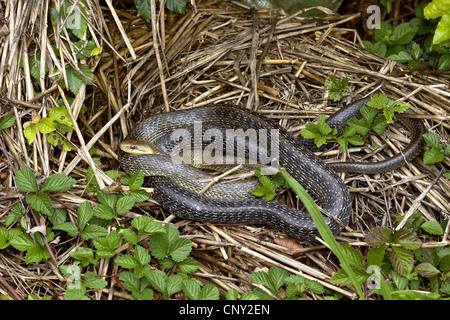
x=231 y=203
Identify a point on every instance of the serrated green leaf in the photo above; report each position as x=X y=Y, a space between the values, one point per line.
x=93 y=281
x=180 y=249
x=178 y=6
x=157 y=279
x=322 y=126
x=432 y=139
x=124 y=204
x=26 y=180
x=143 y=7
x=380 y=124
x=16 y=214
x=378 y=236
x=432 y=227
x=40 y=202
x=75 y=79
x=375 y=256
x=188 y=265
x=276 y=277
x=85 y=214
x=69 y=227
x=138 y=195
x=141 y=254
x=136 y=180
x=45 y=125
x=426 y=270
x=130 y=282
x=130 y=237
x=174 y=284
x=404 y=33
x=127 y=261
x=4 y=235
x=401 y=260
x=103 y=212
x=359 y=125
x=341 y=277
x=21 y=241
x=36 y=254
x=407 y=238
x=433 y=155
x=232 y=294
x=58 y=183
x=84 y=255
x=30 y=133
x=108 y=199
x=7 y=121
x=355 y=140
x=93 y=231
x=192 y=289
x=209 y=292
x=158 y=245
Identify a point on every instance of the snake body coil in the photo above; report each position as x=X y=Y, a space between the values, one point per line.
x=176 y=185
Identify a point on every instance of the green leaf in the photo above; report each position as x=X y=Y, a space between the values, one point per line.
x=210 y=292
x=232 y=294
x=84 y=255
x=7 y=121
x=433 y=155
x=359 y=125
x=16 y=214
x=180 y=249
x=124 y=204
x=138 y=195
x=157 y=279
x=375 y=256
x=276 y=277
x=426 y=270
x=45 y=125
x=26 y=180
x=174 y=284
x=58 y=183
x=85 y=214
x=432 y=227
x=401 y=260
x=75 y=79
x=4 y=235
x=30 y=133
x=21 y=241
x=61 y=115
x=378 y=47
x=130 y=237
x=143 y=7
x=407 y=238
x=432 y=140
x=136 y=180
x=103 y=212
x=141 y=255
x=93 y=231
x=41 y=203
x=178 y=6
x=188 y=265
x=404 y=33
x=127 y=261
x=379 y=125
x=108 y=199
x=93 y=281
x=323 y=127
x=36 y=254
x=69 y=227
x=192 y=289
x=436 y=9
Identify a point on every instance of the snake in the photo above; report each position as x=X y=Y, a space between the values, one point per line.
x=176 y=185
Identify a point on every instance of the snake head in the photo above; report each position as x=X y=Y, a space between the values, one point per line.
x=140 y=147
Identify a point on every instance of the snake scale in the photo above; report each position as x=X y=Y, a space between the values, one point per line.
x=176 y=185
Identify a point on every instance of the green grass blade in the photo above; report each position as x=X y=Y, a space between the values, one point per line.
x=323 y=228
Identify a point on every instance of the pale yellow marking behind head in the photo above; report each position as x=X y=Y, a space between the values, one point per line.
x=140 y=147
